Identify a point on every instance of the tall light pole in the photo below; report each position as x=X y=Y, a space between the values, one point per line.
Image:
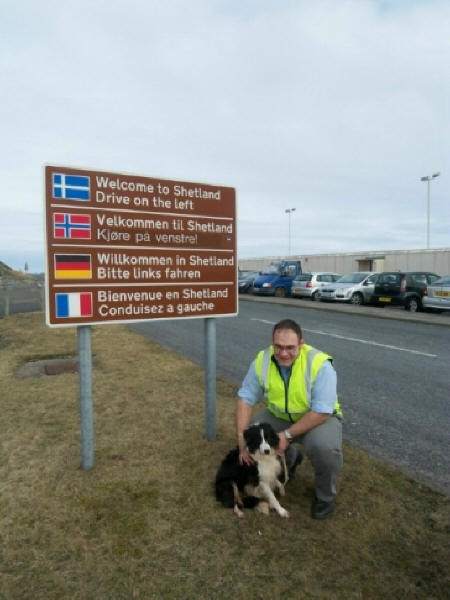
x=289 y=211
x=428 y=178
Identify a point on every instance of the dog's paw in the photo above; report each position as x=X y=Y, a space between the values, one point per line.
x=283 y=513
x=237 y=511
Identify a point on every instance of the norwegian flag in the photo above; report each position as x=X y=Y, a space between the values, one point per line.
x=69 y=226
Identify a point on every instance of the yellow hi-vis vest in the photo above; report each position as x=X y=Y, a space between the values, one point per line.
x=290 y=402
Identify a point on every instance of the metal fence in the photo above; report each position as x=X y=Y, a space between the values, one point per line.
x=18 y=296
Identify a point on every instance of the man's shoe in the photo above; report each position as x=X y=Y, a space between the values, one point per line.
x=297 y=461
x=321 y=509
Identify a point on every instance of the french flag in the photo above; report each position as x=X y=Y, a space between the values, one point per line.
x=73 y=304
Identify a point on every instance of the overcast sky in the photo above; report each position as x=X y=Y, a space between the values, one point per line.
x=333 y=107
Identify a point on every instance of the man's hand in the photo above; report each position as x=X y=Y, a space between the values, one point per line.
x=283 y=443
x=244 y=456
x=243 y=415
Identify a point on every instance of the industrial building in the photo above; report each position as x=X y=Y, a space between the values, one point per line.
x=436 y=260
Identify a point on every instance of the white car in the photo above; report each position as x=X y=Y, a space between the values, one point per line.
x=355 y=288
x=307 y=285
x=438 y=294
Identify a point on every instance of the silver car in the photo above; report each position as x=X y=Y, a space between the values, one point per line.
x=438 y=294
x=355 y=288
x=307 y=285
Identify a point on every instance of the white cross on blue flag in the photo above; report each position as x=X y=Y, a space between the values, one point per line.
x=71 y=187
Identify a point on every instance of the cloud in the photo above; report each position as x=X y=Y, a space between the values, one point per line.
x=335 y=108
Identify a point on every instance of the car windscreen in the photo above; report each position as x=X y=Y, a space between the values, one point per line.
x=442 y=281
x=303 y=278
x=352 y=278
x=273 y=269
x=392 y=278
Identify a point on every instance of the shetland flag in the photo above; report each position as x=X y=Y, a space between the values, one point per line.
x=68 y=226
x=71 y=187
x=70 y=266
x=74 y=304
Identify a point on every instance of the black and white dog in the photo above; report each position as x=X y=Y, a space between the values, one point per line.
x=242 y=486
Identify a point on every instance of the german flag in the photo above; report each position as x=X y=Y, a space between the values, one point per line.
x=73 y=266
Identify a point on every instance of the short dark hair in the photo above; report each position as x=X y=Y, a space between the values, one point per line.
x=288 y=324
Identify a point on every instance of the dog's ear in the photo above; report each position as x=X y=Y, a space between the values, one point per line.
x=271 y=435
x=252 y=437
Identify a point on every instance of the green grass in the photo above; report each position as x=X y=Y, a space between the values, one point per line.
x=144 y=522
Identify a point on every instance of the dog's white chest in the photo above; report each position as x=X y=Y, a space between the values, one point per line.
x=268 y=469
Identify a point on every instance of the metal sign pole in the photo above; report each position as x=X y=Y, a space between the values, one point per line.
x=86 y=410
x=210 y=378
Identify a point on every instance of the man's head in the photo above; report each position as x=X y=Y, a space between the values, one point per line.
x=287 y=340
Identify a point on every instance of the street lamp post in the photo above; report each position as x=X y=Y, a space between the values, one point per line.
x=289 y=211
x=428 y=178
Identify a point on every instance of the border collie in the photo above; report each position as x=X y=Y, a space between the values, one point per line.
x=242 y=486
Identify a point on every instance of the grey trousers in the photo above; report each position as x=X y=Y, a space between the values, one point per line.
x=323 y=447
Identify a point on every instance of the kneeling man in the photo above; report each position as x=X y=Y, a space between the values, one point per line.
x=298 y=383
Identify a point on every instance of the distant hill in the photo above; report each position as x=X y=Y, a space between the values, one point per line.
x=9 y=273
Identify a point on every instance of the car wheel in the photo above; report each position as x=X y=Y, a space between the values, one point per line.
x=314 y=296
x=357 y=299
x=412 y=305
x=250 y=289
x=280 y=292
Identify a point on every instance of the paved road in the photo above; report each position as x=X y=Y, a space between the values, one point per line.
x=392 y=367
x=392 y=370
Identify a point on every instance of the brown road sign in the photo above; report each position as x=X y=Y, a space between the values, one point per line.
x=129 y=248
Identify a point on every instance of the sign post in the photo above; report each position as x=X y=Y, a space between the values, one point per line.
x=127 y=248
x=210 y=378
x=86 y=408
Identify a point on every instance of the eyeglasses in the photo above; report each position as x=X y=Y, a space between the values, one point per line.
x=279 y=348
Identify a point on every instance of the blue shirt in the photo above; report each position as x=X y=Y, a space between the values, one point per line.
x=323 y=392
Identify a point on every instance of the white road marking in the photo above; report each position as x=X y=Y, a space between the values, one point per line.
x=350 y=339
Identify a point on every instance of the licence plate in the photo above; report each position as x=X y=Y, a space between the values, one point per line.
x=383 y=299
x=441 y=293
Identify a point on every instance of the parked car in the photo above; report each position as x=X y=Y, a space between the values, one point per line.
x=277 y=279
x=437 y=296
x=356 y=288
x=405 y=288
x=308 y=284
x=245 y=282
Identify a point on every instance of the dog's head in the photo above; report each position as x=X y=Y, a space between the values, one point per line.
x=261 y=438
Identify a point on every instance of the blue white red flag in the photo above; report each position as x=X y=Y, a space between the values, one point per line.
x=71 y=187
x=70 y=226
x=73 y=304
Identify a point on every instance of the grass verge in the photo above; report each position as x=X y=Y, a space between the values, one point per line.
x=144 y=522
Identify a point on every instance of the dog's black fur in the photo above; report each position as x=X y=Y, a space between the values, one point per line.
x=242 y=486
